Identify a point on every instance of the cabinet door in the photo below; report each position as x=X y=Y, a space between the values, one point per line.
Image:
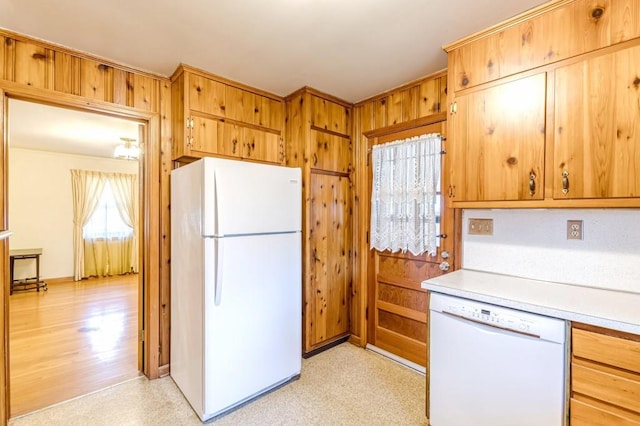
x=206 y=95
x=262 y=146
x=204 y=136
x=497 y=146
x=330 y=152
x=326 y=291
x=597 y=127
x=229 y=140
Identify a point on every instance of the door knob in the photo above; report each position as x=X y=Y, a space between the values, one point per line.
x=444 y=254
x=444 y=266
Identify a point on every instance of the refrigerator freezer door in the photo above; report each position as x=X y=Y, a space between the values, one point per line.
x=242 y=198
x=253 y=337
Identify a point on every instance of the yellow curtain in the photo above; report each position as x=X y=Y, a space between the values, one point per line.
x=108 y=256
x=86 y=188
x=125 y=192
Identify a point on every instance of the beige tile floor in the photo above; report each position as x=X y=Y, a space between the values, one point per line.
x=345 y=385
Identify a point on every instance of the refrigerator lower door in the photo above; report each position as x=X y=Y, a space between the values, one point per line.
x=253 y=334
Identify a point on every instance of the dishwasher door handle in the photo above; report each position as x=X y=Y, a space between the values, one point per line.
x=496 y=327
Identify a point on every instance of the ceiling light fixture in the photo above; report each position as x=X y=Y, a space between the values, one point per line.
x=128 y=150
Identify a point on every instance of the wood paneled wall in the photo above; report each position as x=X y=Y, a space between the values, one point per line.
x=32 y=63
x=37 y=71
x=405 y=106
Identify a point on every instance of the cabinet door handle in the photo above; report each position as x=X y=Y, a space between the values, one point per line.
x=235 y=142
x=532 y=183
x=565 y=182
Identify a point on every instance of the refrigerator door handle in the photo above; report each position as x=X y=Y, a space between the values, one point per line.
x=217 y=287
x=210 y=196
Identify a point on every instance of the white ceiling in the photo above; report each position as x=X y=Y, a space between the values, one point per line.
x=352 y=49
x=46 y=128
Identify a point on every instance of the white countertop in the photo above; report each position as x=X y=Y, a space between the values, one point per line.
x=612 y=309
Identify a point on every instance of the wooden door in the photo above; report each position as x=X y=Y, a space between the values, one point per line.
x=597 y=127
x=327 y=293
x=397 y=305
x=497 y=142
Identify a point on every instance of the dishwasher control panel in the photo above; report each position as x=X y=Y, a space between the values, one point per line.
x=498 y=316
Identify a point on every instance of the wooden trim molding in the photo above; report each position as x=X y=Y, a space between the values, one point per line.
x=78 y=53
x=518 y=19
x=318 y=93
x=152 y=216
x=407 y=125
x=437 y=74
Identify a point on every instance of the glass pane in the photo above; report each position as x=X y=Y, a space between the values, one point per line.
x=106 y=221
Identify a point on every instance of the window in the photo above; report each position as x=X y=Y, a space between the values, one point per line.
x=105 y=222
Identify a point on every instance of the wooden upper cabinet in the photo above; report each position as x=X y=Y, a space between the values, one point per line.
x=215 y=117
x=330 y=116
x=330 y=152
x=206 y=95
x=575 y=137
x=561 y=31
x=204 y=135
x=498 y=137
x=597 y=127
x=261 y=145
x=229 y=140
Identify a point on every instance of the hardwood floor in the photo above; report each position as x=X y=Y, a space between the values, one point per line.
x=73 y=339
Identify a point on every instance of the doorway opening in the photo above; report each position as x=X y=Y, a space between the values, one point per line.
x=81 y=334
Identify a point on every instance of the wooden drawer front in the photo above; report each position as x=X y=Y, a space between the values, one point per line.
x=621 y=391
x=583 y=414
x=609 y=350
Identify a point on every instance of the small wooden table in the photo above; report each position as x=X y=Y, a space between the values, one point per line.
x=26 y=283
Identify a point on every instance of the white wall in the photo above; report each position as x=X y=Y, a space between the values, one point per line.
x=41 y=209
x=533 y=244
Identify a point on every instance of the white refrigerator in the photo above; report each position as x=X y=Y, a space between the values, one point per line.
x=236 y=302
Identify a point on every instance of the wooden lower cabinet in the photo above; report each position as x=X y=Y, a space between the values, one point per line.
x=605 y=377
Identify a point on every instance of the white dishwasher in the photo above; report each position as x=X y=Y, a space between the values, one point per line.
x=494 y=366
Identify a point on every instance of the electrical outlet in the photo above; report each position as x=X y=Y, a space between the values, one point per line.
x=480 y=226
x=574 y=230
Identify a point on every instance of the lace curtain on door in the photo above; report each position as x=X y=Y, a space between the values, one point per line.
x=406 y=177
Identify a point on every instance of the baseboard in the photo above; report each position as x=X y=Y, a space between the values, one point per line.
x=410 y=364
x=58 y=280
x=163 y=370
x=325 y=347
x=356 y=340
